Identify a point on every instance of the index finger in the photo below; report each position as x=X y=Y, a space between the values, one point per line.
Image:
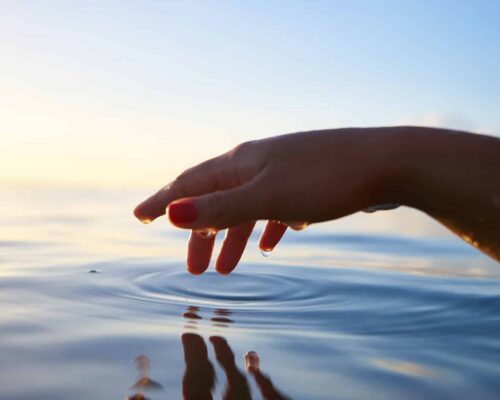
x=209 y=176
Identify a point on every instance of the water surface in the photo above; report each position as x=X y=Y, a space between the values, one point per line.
x=96 y=305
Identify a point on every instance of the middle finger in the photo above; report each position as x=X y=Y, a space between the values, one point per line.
x=232 y=249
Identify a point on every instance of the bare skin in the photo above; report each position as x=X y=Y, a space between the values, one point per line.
x=323 y=175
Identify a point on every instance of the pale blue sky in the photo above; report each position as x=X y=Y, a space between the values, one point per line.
x=137 y=91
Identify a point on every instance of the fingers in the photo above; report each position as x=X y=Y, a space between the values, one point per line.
x=221 y=209
x=233 y=246
x=214 y=174
x=200 y=248
x=199 y=253
x=273 y=232
x=155 y=205
x=226 y=171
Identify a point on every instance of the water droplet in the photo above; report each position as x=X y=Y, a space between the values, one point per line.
x=265 y=253
x=206 y=233
x=297 y=226
x=145 y=221
x=470 y=240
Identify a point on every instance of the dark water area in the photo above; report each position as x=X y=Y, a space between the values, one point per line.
x=95 y=305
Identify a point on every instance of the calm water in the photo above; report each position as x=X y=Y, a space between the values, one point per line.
x=96 y=305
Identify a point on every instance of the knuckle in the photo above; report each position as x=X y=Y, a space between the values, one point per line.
x=217 y=200
x=185 y=175
x=180 y=184
x=222 y=178
x=274 y=203
x=242 y=149
x=246 y=161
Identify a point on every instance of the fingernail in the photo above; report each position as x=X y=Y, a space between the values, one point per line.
x=182 y=212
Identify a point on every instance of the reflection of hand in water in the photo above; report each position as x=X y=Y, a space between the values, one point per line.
x=195 y=354
x=267 y=389
x=144 y=382
x=220 y=319
x=237 y=385
x=199 y=378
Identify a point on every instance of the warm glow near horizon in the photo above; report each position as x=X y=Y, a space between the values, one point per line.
x=133 y=94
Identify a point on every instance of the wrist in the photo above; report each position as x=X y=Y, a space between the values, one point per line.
x=390 y=152
x=431 y=169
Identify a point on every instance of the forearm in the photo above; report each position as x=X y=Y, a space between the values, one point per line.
x=452 y=176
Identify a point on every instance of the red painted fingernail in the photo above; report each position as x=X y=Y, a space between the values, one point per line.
x=182 y=212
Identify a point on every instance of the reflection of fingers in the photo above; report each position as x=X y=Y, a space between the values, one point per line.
x=223 y=352
x=266 y=387
x=237 y=384
x=199 y=377
x=199 y=253
x=233 y=247
x=195 y=348
x=265 y=384
x=252 y=361
x=273 y=232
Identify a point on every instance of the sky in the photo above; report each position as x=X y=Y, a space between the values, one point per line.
x=132 y=93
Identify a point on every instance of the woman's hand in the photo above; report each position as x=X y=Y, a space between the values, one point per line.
x=302 y=178
x=297 y=179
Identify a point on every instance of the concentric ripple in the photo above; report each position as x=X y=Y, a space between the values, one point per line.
x=250 y=291
x=330 y=300
x=254 y=296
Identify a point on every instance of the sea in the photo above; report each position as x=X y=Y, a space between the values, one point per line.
x=95 y=305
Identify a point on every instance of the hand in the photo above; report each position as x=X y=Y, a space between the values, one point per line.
x=316 y=176
x=297 y=179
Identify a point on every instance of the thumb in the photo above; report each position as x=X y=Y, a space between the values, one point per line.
x=220 y=209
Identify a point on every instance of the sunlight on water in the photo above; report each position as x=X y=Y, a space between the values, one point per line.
x=405 y=368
